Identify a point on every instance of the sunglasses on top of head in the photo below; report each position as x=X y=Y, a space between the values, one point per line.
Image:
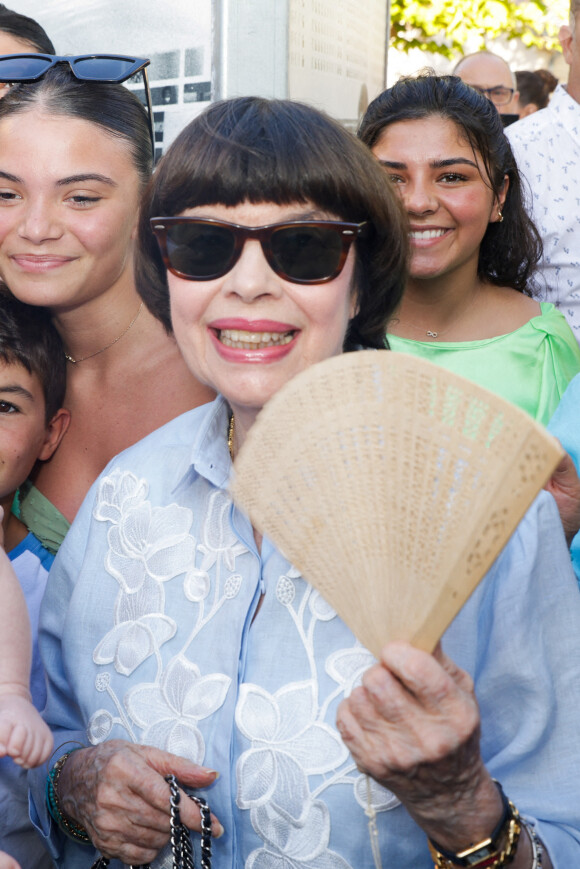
x=300 y=251
x=107 y=68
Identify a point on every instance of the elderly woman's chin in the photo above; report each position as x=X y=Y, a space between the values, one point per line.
x=250 y=331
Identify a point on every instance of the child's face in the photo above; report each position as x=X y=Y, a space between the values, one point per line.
x=24 y=434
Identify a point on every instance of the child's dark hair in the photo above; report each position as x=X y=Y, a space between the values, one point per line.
x=28 y=338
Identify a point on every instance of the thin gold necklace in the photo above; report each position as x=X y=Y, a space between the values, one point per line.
x=106 y=347
x=231 y=433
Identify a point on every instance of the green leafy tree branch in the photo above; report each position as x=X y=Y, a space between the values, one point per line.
x=444 y=26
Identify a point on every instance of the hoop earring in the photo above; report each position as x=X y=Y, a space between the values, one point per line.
x=499 y=216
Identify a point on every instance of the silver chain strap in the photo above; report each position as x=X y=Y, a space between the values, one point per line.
x=181 y=844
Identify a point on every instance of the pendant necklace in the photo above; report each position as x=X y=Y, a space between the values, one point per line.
x=431 y=333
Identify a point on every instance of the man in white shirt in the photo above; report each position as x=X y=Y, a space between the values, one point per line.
x=547 y=148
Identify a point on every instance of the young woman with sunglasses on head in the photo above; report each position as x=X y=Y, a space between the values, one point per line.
x=75 y=156
x=174 y=636
x=468 y=302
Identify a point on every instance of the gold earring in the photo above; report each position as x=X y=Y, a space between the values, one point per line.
x=499 y=216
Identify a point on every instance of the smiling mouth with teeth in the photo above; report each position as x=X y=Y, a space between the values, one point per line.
x=424 y=234
x=253 y=340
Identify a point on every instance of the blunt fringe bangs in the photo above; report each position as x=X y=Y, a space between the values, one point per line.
x=28 y=338
x=109 y=105
x=511 y=250
x=259 y=150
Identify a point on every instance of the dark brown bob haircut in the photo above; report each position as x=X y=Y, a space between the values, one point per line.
x=258 y=150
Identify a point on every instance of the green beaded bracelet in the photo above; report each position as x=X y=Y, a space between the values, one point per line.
x=72 y=830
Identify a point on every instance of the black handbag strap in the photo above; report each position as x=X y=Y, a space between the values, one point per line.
x=181 y=844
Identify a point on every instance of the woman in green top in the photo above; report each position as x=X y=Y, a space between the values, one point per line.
x=468 y=302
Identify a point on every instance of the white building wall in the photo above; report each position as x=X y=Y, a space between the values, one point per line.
x=330 y=53
x=337 y=54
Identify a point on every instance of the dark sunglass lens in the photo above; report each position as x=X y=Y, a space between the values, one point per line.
x=22 y=68
x=200 y=250
x=104 y=68
x=308 y=253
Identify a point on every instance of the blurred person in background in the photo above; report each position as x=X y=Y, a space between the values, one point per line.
x=489 y=74
x=549 y=80
x=533 y=91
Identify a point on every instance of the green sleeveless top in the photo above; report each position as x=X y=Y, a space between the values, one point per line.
x=531 y=367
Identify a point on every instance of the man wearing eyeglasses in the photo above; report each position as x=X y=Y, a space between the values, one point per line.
x=490 y=75
x=547 y=148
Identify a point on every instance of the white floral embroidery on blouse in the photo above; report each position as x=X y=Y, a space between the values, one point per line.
x=291 y=742
x=149 y=546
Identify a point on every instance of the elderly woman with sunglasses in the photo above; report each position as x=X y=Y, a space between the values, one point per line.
x=176 y=640
x=75 y=155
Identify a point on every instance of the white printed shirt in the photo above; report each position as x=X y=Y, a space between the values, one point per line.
x=546 y=145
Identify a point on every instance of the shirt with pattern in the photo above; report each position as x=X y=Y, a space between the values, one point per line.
x=546 y=145
x=150 y=632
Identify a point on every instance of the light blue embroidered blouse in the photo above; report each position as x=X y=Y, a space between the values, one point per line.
x=148 y=634
x=565 y=425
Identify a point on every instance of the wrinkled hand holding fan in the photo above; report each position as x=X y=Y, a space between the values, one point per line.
x=392 y=485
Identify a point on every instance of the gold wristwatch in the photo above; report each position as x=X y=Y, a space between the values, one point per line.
x=492 y=853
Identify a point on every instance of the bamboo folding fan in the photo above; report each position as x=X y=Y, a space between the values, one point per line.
x=392 y=485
